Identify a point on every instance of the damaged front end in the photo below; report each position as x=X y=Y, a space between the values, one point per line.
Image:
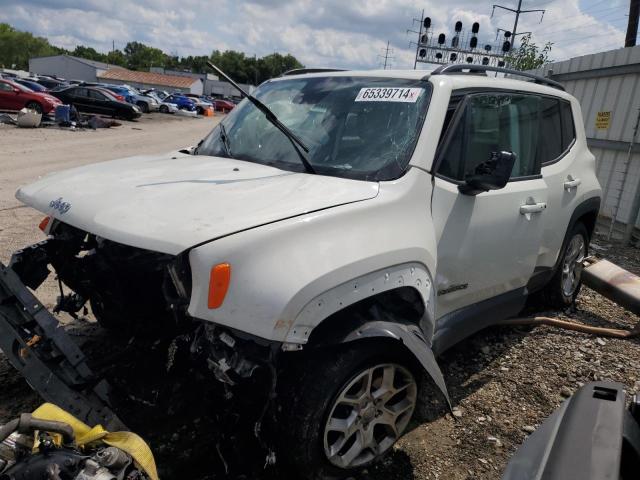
x=158 y=362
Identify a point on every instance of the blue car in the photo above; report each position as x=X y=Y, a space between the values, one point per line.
x=125 y=92
x=182 y=102
x=36 y=87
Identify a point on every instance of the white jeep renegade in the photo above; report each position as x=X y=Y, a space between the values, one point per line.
x=388 y=216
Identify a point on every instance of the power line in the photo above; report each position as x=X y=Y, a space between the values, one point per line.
x=519 y=11
x=584 y=25
x=564 y=20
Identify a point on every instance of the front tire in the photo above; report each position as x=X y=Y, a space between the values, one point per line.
x=34 y=106
x=565 y=285
x=347 y=408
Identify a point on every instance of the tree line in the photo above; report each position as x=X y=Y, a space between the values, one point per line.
x=16 y=47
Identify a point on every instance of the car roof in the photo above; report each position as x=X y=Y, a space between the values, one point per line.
x=456 y=81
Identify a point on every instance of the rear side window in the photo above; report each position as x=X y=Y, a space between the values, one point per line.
x=96 y=95
x=568 y=127
x=493 y=123
x=550 y=130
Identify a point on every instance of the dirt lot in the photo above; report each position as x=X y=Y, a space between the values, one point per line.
x=502 y=381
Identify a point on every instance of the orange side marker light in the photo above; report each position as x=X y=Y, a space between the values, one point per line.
x=219 y=284
x=44 y=223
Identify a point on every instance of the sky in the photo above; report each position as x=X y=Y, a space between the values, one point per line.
x=320 y=33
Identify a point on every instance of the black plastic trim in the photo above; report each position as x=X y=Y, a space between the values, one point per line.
x=50 y=361
x=583 y=439
x=459 y=68
x=302 y=71
x=464 y=322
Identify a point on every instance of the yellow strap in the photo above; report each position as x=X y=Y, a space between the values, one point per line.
x=126 y=441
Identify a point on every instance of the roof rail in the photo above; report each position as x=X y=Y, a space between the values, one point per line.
x=300 y=71
x=460 y=67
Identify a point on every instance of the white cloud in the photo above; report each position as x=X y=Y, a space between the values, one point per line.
x=319 y=33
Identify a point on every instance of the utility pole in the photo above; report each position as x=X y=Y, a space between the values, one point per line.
x=387 y=56
x=518 y=12
x=415 y=62
x=632 y=26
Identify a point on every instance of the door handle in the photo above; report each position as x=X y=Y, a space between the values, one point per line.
x=571 y=183
x=532 y=208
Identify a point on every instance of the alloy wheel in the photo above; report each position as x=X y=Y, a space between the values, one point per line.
x=572 y=265
x=369 y=415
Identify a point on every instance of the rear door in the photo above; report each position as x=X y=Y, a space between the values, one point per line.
x=563 y=170
x=100 y=102
x=488 y=244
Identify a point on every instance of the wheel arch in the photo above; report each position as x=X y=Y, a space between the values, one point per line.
x=395 y=304
x=408 y=285
x=586 y=213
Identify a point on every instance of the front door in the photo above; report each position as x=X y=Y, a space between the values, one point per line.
x=9 y=99
x=488 y=244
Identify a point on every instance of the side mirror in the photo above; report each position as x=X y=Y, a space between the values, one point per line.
x=16 y=90
x=490 y=175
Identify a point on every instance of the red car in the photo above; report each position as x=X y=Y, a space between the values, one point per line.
x=14 y=96
x=221 y=105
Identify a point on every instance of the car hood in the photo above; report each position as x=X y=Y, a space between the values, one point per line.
x=172 y=202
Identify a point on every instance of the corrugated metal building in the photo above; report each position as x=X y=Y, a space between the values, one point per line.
x=69 y=67
x=212 y=85
x=146 y=80
x=607 y=85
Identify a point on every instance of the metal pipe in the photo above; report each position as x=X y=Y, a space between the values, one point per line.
x=8 y=428
x=576 y=327
x=27 y=424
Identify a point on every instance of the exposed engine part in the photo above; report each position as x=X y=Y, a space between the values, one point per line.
x=21 y=458
x=229 y=359
x=125 y=286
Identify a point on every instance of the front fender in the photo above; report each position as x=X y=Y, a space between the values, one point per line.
x=279 y=268
x=411 y=337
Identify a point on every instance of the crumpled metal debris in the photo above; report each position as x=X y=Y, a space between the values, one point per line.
x=29 y=118
x=6 y=118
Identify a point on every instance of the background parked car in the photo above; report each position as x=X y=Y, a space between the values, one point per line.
x=31 y=84
x=200 y=102
x=50 y=83
x=166 y=107
x=97 y=100
x=145 y=103
x=222 y=105
x=14 y=96
x=180 y=101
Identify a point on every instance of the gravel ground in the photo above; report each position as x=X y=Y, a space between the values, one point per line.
x=503 y=381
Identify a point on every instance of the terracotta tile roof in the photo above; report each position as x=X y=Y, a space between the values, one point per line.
x=150 y=78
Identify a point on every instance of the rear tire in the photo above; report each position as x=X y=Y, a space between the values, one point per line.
x=564 y=287
x=34 y=106
x=344 y=408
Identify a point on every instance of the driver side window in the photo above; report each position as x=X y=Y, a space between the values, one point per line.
x=493 y=123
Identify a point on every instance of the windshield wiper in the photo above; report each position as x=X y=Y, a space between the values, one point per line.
x=298 y=145
x=224 y=138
